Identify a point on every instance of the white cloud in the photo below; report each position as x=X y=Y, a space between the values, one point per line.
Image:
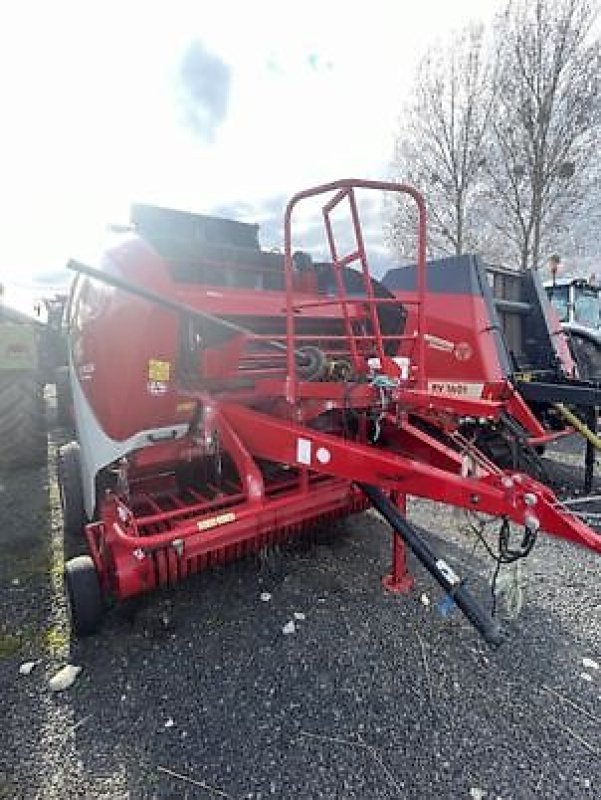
x=90 y=116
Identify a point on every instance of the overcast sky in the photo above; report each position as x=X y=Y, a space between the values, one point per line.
x=208 y=106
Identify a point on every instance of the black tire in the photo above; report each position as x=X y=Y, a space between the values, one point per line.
x=23 y=440
x=587 y=355
x=64 y=404
x=314 y=364
x=84 y=596
x=71 y=491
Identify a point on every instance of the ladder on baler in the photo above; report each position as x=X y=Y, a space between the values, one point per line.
x=362 y=345
x=362 y=342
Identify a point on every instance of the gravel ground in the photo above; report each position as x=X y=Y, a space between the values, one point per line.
x=197 y=693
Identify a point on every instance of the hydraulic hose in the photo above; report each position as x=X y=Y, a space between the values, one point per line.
x=173 y=305
x=486 y=625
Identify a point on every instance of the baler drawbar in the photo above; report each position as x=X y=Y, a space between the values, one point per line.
x=227 y=398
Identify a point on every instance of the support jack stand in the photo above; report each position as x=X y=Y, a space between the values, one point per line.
x=399 y=580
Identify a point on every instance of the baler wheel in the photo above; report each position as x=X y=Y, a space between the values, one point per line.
x=84 y=596
x=71 y=491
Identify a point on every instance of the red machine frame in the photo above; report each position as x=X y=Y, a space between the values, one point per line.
x=147 y=534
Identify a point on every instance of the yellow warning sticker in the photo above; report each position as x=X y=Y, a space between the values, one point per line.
x=158 y=370
x=188 y=405
x=214 y=522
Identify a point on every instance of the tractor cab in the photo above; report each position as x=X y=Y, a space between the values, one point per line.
x=576 y=301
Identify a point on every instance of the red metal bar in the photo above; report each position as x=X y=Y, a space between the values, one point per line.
x=517 y=407
x=399 y=580
x=187 y=510
x=348 y=325
x=198 y=496
x=551 y=436
x=282 y=510
x=338 y=197
x=360 y=396
x=246 y=466
x=146 y=498
x=495 y=494
x=406 y=437
x=173 y=498
x=369 y=291
x=346 y=260
x=326 y=337
x=329 y=301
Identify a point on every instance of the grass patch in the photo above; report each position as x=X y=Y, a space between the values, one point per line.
x=56 y=640
x=10 y=644
x=37 y=562
x=32 y=563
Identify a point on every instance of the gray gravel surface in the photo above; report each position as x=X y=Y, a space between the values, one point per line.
x=197 y=693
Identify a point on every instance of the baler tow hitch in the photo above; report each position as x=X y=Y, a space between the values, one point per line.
x=484 y=623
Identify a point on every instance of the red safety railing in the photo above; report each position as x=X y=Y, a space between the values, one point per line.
x=345 y=190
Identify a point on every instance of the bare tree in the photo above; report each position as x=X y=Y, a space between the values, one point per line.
x=578 y=236
x=441 y=148
x=544 y=132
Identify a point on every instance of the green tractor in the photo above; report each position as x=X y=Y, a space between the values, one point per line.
x=577 y=302
x=32 y=354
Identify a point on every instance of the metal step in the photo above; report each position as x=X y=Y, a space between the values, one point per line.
x=513 y=306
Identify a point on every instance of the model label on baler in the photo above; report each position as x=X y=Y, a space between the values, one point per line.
x=214 y=522
x=439 y=344
x=457 y=388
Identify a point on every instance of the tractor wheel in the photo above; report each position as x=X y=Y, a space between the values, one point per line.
x=64 y=415
x=22 y=421
x=84 y=596
x=71 y=490
x=588 y=357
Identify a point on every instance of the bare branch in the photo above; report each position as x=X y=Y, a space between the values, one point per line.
x=441 y=144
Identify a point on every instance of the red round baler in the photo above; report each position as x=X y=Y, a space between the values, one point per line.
x=227 y=398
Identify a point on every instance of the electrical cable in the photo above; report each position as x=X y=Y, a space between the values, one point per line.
x=505 y=555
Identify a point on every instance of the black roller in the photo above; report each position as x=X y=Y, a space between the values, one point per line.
x=311 y=363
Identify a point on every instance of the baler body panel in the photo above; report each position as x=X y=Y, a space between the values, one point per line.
x=464 y=350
